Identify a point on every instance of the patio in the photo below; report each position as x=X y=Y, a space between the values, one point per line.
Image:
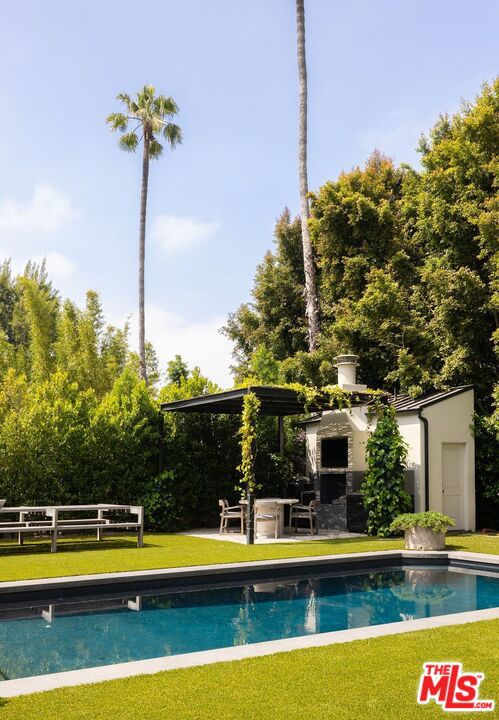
x=235 y=537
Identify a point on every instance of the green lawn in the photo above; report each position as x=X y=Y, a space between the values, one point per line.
x=76 y=557
x=363 y=680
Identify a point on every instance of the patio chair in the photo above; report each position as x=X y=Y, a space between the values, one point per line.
x=267 y=511
x=304 y=512
x=2 y=503
x=230 y=512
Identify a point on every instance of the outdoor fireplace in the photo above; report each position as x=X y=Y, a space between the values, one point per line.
x=334 y=452
x=333 y=486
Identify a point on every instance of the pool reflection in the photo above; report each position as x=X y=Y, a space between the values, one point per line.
x=84 y=632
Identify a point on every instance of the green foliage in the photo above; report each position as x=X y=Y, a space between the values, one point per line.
x=383 y=486
x=76 y=423
x=263 y=366
x=8 y=299
x=408 y=268
x=127 y=425
x=486 y=432
x=251 y=407
x=152 y=113
x=177 y=371
x=434 y=520
x=160 y=502
x=408 y=273
x=60 y=444
x=201 y=453
x=355 y=227
x=40 y=308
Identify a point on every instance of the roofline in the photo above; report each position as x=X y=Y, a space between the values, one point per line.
x=453 y=392
x=205 y=399
x=311 y=420
x=435 y=401
x=261 y=391
x=278 y=401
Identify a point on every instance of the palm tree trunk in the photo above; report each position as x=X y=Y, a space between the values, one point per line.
x=142 y=253
x=311 y=297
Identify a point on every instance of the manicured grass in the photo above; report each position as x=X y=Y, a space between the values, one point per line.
x=363 y=680
x=76 y=557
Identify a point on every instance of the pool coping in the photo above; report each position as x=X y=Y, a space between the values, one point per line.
x=40 y=683
x=249 y=567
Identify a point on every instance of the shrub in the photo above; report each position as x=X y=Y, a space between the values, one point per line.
x=60 y=444
x=486 y=432
x=160 y=503
x=383 y=487
x=434 y=520
x=201 y=451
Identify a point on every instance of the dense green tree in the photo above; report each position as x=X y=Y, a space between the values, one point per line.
x=454 y=211
x=40 y=312
x=356 y=226
x=8 y=299
x=177 y=371
x=486 y=431
x=408 y=275
x=92 y=354
x=151 y=115
x=408 y=267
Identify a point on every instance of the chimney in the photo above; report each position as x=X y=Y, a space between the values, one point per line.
x=347 y=372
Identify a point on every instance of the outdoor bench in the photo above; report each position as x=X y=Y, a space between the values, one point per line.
x=47 y=520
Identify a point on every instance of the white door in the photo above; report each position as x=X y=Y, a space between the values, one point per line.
x=453 y=481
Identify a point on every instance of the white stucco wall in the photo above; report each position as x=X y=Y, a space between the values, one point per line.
x=450 y=422
x=352 y=423
x=360 y=434
x=411 y=430
x=311 y=445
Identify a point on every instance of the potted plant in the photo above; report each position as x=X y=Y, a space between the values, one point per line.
x=423 y=531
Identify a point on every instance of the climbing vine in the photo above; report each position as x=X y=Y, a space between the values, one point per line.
x=251 y=407
x=333 y=397
x=328 y=397
x=383 y=487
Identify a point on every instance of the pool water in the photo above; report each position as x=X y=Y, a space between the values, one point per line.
x=81 y=633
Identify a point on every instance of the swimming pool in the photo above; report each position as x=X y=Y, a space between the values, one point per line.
x=72 y=633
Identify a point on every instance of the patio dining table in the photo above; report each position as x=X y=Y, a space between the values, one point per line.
x=266 y=528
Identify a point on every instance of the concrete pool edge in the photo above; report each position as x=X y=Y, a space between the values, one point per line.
x=25 y=686
x=448 y=557
x=71 y=678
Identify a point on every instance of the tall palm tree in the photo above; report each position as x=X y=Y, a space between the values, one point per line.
x=152 y=113
x=311 y=296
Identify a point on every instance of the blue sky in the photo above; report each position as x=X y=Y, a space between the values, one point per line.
x=380 y=71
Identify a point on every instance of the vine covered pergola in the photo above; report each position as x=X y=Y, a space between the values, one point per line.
x=274 y=400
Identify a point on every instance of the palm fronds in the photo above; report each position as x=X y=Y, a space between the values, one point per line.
x=117 y=121
x=152 y=113
x=155 y=149
x=128 y=142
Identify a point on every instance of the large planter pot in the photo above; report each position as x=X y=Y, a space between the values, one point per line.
x=422 y=538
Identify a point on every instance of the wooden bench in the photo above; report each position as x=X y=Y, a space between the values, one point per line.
x=49 y=521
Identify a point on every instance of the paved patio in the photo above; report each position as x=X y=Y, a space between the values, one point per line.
x=235 y=537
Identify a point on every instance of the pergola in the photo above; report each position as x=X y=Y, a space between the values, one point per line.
x=274 y=400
